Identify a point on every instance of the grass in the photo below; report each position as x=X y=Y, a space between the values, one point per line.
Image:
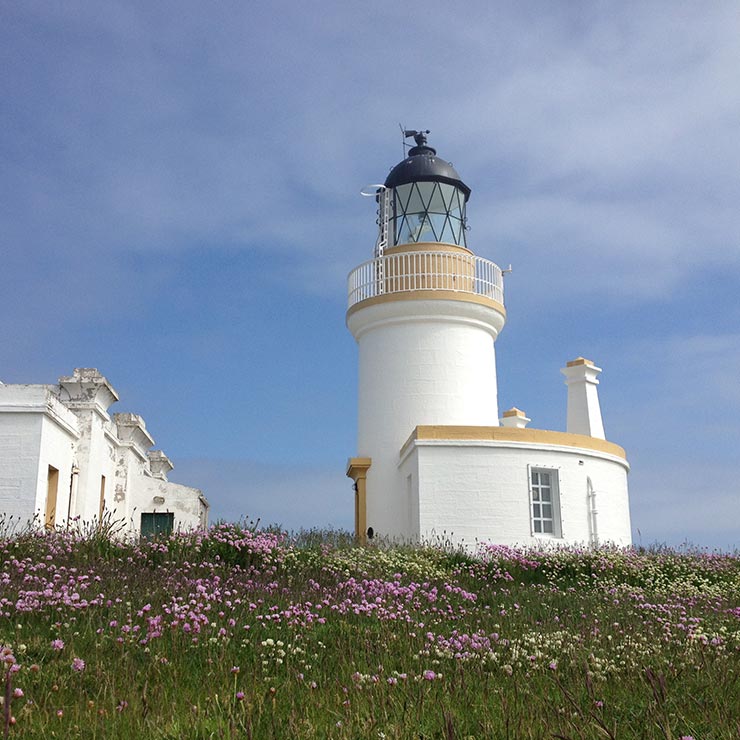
x=246 y=633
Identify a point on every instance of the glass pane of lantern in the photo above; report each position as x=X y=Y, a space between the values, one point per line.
x=401 y=231
x=402 y=193
x=437 y=221
x=448 y=196
x=421 y=229
x=448 y=235
x=456 y=202
x=404 y=232
x=436 y=204
x=415 y=204
x=457 y=230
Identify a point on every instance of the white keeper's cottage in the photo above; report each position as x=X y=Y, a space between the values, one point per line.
x=64 y=458
x=433 y=457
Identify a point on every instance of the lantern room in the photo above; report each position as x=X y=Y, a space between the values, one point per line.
x=425 y=198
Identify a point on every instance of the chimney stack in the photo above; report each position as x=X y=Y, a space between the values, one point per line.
x=584 y=413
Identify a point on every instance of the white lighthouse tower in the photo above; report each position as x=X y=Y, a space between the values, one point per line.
x=432 y=456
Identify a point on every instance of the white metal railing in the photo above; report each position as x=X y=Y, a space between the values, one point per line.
x=409 y=271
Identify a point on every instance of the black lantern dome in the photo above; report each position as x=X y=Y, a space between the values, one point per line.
x=427 y=197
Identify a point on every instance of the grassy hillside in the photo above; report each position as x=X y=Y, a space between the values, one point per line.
x=238 y=633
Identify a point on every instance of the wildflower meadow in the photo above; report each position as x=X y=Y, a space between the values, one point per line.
x=245 y=633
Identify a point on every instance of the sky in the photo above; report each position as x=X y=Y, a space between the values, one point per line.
x=180 y=206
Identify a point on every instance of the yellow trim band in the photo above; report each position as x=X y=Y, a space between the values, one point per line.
x=579 y=361
x=430 y=295
x=427 y=247
x=514 y=412
x=512 y=434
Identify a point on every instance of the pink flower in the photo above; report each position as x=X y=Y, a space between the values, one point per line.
x=429 y=675
x=57 y=644
x=17 y=693
x=78 y=665
x=553 y=665
x=240 y=696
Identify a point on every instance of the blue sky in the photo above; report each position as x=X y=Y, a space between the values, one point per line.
x=179 y=207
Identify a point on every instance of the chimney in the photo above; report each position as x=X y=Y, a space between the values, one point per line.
x=514 y=418
x=584 y=413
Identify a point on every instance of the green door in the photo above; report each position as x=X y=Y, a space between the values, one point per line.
x=157 y=523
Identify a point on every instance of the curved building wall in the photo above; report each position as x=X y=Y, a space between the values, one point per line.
x=473 y=491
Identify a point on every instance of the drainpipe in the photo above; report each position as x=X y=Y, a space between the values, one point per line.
x=593 y=513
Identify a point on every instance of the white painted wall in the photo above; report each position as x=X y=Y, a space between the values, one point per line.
x=57 y=445
x=187 y=504
x=95 y=458
x=478 y=491
x=36 y=431
x=20 y=442
x=420 y=362
x=66 y=426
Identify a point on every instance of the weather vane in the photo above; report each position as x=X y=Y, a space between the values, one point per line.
x=420 y=137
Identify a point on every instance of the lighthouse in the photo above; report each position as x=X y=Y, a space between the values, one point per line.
x=434 y=459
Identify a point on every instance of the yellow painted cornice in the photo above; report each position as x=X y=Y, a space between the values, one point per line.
x=429 y=295
x=511 y=434
x=357 y=467
x=579 y=361
x=427 y=247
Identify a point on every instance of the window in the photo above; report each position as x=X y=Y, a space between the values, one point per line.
x=155 y=524
x=545 y=502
